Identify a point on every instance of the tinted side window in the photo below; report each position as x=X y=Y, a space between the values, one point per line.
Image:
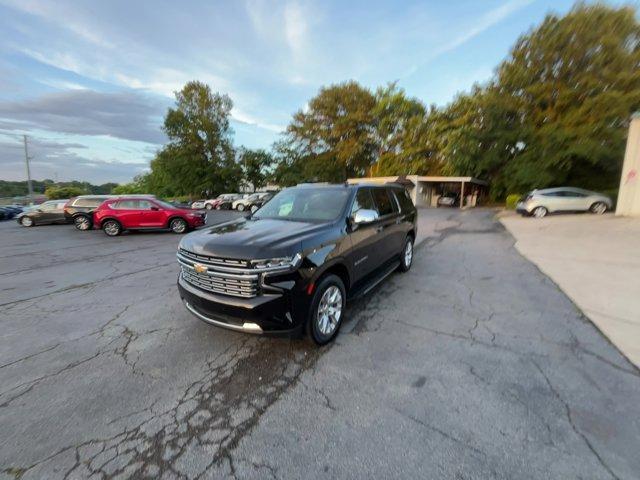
x=383 y=201
x=570 y=194
x=363 y=201
x=145 y=205
x=404 y=200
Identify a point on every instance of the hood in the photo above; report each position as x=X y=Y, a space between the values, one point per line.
x=251 y=239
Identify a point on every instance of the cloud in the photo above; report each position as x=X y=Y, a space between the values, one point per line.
x=126 y=115
x=53 y=160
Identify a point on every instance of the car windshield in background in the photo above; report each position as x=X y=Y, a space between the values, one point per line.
x=306 y=204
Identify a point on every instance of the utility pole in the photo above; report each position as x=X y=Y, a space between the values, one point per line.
x=26 y=160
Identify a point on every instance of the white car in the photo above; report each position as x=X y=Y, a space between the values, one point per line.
x=198 y=204
x=539 y=203
x=242 y=203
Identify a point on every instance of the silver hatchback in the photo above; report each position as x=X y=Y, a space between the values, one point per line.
x=539 y=203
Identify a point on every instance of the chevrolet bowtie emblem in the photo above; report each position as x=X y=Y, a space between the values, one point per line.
x=199 y=268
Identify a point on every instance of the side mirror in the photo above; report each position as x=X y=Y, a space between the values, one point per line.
x=364 y=216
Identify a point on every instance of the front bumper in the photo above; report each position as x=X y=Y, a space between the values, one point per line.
x=265 y=314
x=522 y=209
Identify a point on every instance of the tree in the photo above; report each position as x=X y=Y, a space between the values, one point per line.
x=138 y=186
x=254 y=165
x=336 y=135
x=571 y=84
x=199 y=158
x=58 y=193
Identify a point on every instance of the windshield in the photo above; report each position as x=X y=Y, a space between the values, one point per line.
x=306 y=204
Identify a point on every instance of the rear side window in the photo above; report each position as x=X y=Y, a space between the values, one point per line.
x=88 y=202
x=405 y=202
x=145 y=205
x=383 y=201
x=363 y=201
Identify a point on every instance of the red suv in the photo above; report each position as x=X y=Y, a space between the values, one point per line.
x=118 y=214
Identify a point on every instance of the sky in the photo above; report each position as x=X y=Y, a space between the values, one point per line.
x=89 y=81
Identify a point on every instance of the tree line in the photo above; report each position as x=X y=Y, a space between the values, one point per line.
x=52 y=189
x=555 y=112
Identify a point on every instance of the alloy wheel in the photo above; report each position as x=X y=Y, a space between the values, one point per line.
x=178 y=225
x=27 y=221
x=599 y=208
x=82 y=223
x=329 y=310
x=240 y=207
x=408 y=254
x=111 y=228
x=540 y=212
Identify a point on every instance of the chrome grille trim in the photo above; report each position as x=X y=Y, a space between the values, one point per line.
x=219 y=278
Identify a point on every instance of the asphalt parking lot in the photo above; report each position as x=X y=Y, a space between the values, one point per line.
x=472 y=365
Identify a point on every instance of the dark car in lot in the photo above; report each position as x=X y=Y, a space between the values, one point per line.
x=115 y=215
x=46 y=213
x=293 y=264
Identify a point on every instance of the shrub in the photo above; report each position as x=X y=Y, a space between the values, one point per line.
x=512 y=200
x=57 y=193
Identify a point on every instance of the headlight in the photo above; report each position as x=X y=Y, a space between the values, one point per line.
x=280 y=263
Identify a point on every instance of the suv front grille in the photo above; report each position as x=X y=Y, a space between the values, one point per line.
x=222 y=275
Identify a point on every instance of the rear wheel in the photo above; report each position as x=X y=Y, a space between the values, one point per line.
x=540 y=212
x=327 y=308
x=178 y=225
x=598 y=208
x=82 y=222
x=406 y=257
x=26 y=222
x=112 y=228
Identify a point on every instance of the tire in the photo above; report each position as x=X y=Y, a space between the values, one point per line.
x=539 y=212
x=406 y=256
x=27 y=222
x=112 y=228
x=178 y=225
x=240 y=207
x=330 y=296
x=598 y=208
x=82 y=222
x=208 y=206
x=218 y=207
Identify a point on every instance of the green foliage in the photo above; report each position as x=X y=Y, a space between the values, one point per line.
x=335 y=137
x=20 y=188
x=557 y=111
x=255 y=164
x=512 y=200
x=199 y=158
x=57 y=193
x=138 y=186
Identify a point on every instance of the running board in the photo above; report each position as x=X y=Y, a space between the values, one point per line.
x=375 y=281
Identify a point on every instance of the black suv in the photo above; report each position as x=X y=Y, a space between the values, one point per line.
x=293 y=264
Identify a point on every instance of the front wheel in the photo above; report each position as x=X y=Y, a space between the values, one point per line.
x=26 y=222
x=406 y=257
x=112 y=228
x=82 y=222
x=540 y=212
x=208 y=206
x=240 y=207
x=598 y=208
x=327 y=308
x=178 y=225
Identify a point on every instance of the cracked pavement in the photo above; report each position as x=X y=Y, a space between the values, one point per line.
x=472 y=365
